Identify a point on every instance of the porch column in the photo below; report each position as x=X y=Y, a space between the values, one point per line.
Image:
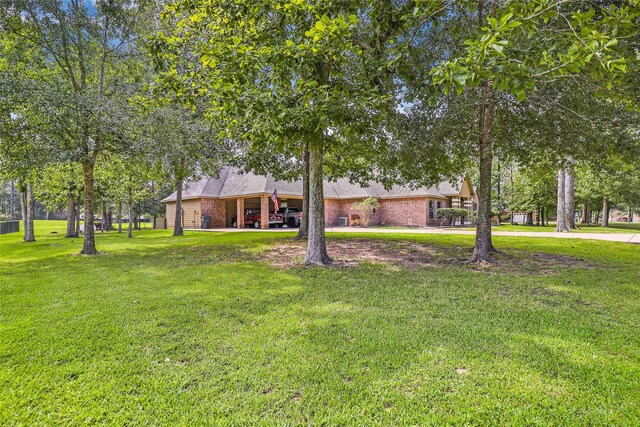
x=240 y=212
x=264 y=211
x=468 y=205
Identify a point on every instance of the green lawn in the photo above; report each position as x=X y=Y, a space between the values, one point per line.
x=614 y=227
x=201 y=330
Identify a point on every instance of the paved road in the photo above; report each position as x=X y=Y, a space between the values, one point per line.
x=614 y=237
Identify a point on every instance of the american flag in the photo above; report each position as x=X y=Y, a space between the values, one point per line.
x=274 y=197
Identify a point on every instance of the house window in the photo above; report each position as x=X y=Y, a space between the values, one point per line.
x=439 y=206
x=431 y=210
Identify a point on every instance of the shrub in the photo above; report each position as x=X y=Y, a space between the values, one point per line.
x=450 y=214
x=366 y=207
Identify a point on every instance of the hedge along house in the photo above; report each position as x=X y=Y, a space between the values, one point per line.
x=221 y=199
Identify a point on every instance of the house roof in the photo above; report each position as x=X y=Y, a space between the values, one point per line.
x=232 y=182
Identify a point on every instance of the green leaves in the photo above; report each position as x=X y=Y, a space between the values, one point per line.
x=531 y=42
x=271 y=73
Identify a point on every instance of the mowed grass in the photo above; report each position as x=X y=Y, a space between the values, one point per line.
x=198 y=331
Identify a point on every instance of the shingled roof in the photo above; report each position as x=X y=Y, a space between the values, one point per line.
x=232 y=182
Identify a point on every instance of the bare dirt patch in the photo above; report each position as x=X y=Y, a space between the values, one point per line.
x=407 y=254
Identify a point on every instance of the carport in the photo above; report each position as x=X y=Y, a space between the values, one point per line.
x=252 y=203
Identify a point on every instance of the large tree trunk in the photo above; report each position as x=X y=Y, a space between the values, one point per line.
x=484 y=245
x=89 y=243
x=177 y=226
x=29 y=235
x=71 y=216
x=605 y=212
x=304 y=223
x=569 y=193
x=561 y=224
x=120 y=216
x=23 y=210
x=316 y=244
x=585 y=214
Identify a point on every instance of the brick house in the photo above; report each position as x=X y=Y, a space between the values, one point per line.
x=231 y=192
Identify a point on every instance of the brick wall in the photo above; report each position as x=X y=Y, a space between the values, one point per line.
x=217 y=209
x=395 y=212
x=334 y=209
x=404 y=212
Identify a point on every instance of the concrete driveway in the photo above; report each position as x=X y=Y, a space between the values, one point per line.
x=613 y=237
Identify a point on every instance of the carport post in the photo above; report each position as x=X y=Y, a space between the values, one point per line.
x=240 y=213
x=264 y=211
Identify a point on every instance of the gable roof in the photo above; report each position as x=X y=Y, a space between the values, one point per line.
x=232 y=182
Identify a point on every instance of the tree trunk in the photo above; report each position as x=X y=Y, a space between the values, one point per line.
x=304 y=223
x=139 y=216
x=546 y=216
x=129 y=228
x=561 y=222
x=177 y=226
x=130 y=225
x=77 y=209
x=89 y=243
x=605 y=212
x=538 y=210
x=629 y=214
x=569 y=196
x=120 y=216
x=71 y=216
x=103 y=225
x=512 y=191
x=529 y=218
x=484 y=245
x=585 y=214
x=23 y=209
x=29 y=235
x=316 y=244
x=12 y=201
